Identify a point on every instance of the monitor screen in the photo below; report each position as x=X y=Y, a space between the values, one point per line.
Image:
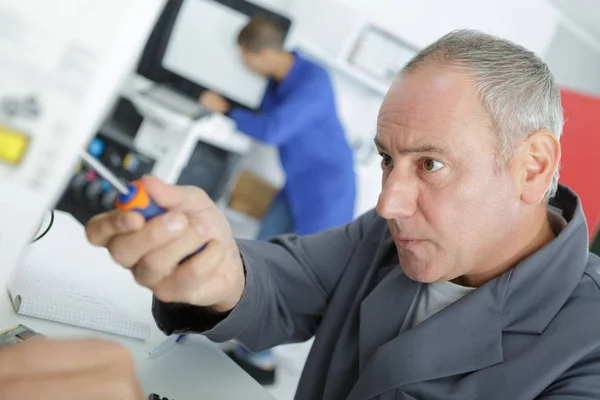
x=203 y=48
x=194 y=47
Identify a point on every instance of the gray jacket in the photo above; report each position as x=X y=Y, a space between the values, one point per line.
x=533 y=332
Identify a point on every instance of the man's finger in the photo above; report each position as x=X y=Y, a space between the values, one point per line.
x=127 y=249
x=161 y=262
x=103 y=227
x=166 y=196
x=186 y=282
x=190 y=200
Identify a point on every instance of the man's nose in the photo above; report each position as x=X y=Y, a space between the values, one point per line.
x=398 y=197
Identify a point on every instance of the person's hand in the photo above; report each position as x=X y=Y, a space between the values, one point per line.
x=67 y=370
x=214 y=102
x=153 y=250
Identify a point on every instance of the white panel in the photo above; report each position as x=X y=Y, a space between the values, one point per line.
x=61 y=54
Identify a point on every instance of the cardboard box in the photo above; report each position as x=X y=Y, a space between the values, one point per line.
x=252 y=195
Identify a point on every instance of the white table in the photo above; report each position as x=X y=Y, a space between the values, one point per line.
x=195 y=369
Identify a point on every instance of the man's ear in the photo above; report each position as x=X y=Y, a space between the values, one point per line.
x=540 y=155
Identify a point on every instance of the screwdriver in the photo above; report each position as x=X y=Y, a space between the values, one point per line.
x=132 y=197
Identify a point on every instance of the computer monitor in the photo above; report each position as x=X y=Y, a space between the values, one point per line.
x=194 y=48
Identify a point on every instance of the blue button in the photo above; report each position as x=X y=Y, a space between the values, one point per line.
x=105 y=185
x=126 y=198
x=96 y=147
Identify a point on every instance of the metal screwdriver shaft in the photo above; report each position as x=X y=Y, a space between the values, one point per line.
x=104 y=172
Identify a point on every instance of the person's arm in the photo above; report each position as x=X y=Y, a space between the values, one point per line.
x=289 y=118
x=580 y=382
x=288 y=285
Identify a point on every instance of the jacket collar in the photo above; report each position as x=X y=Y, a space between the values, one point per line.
x=545 y=280
x=293 y=76
x=467 y=335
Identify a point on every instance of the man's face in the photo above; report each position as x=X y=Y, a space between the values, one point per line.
x=258 y=62
x=450 y=205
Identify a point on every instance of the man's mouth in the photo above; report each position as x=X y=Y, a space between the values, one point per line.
x=407 y=242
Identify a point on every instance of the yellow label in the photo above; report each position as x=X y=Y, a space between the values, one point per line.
x=12 y=145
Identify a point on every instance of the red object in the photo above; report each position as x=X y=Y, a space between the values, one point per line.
x=581 y=152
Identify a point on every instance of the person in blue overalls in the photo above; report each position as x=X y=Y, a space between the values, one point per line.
x=298 y=116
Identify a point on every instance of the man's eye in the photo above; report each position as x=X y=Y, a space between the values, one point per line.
x=431 y=165
x=386 y=161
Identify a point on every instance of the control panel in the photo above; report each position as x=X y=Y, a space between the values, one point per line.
x=87 y=194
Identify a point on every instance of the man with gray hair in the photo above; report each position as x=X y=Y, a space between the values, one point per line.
x=472 y=279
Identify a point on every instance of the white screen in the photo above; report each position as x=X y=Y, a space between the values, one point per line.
x=203 y=49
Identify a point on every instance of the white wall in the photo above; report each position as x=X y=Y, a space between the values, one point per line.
x=530 y=22
x=575 y=63
x=574 y=53
x=584 y=13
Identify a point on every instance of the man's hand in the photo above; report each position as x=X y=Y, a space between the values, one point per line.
x=67 y=370
x=153 y=250
x=214 y=102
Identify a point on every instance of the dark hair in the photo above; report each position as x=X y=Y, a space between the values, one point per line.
x=260 y=34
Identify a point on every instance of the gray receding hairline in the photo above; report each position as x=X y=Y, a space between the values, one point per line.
x=515 y=86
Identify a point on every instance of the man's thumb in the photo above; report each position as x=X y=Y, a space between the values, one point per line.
x=187 y=199
x=166 y=196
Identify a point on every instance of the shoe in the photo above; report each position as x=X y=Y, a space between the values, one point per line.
x=260 y=366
